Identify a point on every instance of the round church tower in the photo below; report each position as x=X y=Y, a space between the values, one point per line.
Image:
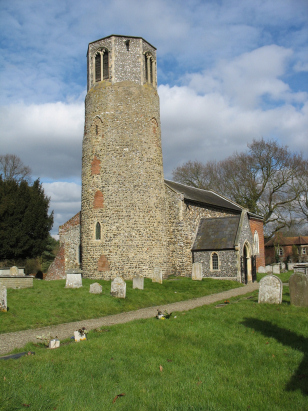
x=123 y=211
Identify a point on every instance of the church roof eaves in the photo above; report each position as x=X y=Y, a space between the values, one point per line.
x=121 y=35
x=200 y=196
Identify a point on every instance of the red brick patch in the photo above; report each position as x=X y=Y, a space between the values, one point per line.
x=103 y=264
x=98 y=200
x=95 y=166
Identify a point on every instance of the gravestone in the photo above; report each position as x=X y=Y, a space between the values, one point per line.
x=138 y=282
x=270 y=290
x=3 y=298
x=298 y=286
x=14 y=270
x=73 y=279
x=158 y=275
x=196 y=273
x=118 y=288
x=96 y=288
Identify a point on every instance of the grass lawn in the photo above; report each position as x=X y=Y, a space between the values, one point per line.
x=284 y=277
x=242 y=356
x=48 y=302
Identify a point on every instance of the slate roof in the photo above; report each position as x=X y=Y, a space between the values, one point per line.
x=203 y=196
x=300 y=240
x=216 y=233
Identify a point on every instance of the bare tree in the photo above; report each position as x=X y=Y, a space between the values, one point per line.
x=265 y=180
x=12 y=168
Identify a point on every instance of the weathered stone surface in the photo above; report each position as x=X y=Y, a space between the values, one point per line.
x=96 y=288
x=118 y=288
x=3 y=298
x=138 y=282
x=157 y=275
x=122 y=167
x=270 y=290
x=14 y=270
x=273 y=268
x=298 y=286
x=73 y=280
x=196 y=273
x=261 y=269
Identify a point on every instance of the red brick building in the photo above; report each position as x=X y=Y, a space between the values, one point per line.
x=294 y=249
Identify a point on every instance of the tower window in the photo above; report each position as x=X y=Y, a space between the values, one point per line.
x=98 y=67
x=97 y=231
x=127 y=44
x=151 y=71
x=146 y=67
x=105 y=65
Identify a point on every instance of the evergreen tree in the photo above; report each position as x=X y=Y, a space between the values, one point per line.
x=24 y=219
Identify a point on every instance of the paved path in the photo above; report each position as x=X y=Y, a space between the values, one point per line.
x=10 y=341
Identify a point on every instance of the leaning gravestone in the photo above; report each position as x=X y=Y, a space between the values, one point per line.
x=157 y=276
x=270 y=290
x=298 y=286
x=73 y=279
x=3 y=298
x=196 y=273
x=118 y=288
x=14 y=270
x=96 y=288
x=138 y=282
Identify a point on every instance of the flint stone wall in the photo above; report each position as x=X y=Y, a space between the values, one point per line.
x=122 y=169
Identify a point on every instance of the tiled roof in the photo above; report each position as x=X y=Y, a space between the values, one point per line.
x=203 y=196
x=300 y=240
x=216 y=233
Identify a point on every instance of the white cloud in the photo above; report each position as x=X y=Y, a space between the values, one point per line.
x=46 y=137
x=65 y=201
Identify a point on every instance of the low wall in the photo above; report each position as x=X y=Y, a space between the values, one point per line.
x=6 y=271
x=16 y=281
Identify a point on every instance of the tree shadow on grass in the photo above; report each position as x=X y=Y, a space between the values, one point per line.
x=299 y=380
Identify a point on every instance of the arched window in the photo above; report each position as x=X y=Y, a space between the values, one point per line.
x=101 y=69
x=214 y=261
x=149 y=68
x=98 y=67
x=106 y=65
x=97 y=231
x=256 y=242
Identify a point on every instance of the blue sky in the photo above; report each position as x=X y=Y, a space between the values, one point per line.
x=229 y=71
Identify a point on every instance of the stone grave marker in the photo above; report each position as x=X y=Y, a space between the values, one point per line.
x=96 y=288
x=138 y=282
x=158 y=275
x=3 y=298
x=298 y=286
x=196 y=273
x=73 y=279
x=118 y=288
x=270 y=290
x=14 y=270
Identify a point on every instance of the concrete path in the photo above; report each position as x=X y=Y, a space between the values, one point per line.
x=10 y=341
